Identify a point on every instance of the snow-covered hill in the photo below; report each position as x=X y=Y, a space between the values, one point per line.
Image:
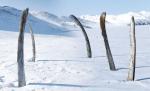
x=47 y=23
x=10 y=19
x=41 y=22
x=64 y=21
x=141 y=18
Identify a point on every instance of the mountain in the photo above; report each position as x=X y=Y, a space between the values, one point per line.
x=10 y=18
x=46 y=23
x=64 y=21
x=141 y=18
x=42 y=22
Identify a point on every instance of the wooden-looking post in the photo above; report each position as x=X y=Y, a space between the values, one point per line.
x=20 y=52
x=33 y=43
x=104 y=34
x=89 y=52
x=131 y=73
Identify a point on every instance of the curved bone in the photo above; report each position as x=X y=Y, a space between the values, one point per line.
x=89 y=52
x=33 y=43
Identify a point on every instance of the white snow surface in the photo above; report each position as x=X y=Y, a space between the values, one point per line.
x=61 y=60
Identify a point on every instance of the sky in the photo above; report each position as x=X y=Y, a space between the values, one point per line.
x=80 y=7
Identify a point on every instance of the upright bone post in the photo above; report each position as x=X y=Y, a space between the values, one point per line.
x=131 y=73
x=104 y=34
x=20 y=52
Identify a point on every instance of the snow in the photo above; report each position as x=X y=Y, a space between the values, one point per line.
x=141 y=18
x=62 y=63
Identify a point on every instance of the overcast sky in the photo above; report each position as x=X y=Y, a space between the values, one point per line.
x=80 y=7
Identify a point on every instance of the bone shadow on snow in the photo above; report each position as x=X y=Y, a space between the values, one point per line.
x=138 y=67
x=103 y=56
x=64 y=60
x=122 y=68
x=147 y=78
x=61 y=85
x=121 y=55
x=143 y=67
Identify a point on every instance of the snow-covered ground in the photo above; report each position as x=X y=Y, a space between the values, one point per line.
x=62 y=64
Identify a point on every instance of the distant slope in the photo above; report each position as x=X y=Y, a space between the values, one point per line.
x=63 y=21
x=46 y=23
x=10 y=18
x=141 y=18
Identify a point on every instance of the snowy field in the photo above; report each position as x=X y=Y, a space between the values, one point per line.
x=61 y=60
x=62 y=63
